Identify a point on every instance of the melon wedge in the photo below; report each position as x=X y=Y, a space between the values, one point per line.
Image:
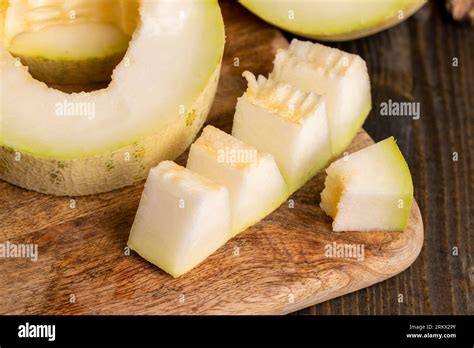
x=369 y=190
x=286 y=122
x=159 y=97
x=182 y=219
x=333 y=20
x=341 y=77
x=255 y=184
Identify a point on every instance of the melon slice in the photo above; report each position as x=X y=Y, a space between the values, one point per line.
x=369 y=190
x=288 y=123
x=159 y=97
x=342 y=78
x=333 y=20
x=255 y=184
x=181 y=220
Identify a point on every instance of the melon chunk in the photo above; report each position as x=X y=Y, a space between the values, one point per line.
x=182 y=219
x=369 y=190
x=159 y=97
x=255 y=184
x=333 y=20
x=287 y=122
x=342 y=78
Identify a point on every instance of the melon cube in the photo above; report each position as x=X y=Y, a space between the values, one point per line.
x=341 y=77
x=369 y=190
x=253 y=179
x=182 y=219
x=286 y=122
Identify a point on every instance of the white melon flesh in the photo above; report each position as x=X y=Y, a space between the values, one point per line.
x=342 y=78
x=181 y=220
x=159 y=97
x=255 y=184
x=69 y=41
x=333 y=20
x=369 y=190
x=292 y=125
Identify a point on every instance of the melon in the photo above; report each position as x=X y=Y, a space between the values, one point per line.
x=287 y=122
x=333 y=20
x=252 y=177
x=159 y=97
x=173 y=228
x=369 y=190
x=342 y=78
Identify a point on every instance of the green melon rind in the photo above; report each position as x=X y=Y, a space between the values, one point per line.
x=352 y=132
x=168 y=267
x=111 y=170
x=270 y=208
x=402 y=215
x=341 y=31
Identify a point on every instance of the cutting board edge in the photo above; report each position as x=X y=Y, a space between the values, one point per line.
x=419 y=238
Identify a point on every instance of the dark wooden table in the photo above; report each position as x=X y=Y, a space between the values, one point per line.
x=427 y=59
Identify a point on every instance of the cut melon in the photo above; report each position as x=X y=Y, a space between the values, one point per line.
x=159 y=97
x=342 y=78
x=369 y=190
x=182 y=219
x=255 y=184
x=333 y=20
x=70 y=41
x=280 y=119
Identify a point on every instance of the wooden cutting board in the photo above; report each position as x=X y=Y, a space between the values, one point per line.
x=275 y=267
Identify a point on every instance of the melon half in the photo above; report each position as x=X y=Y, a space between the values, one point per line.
x=158 y=99
x=333 y=20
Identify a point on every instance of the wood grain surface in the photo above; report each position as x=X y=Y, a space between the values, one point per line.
x=83 y=268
